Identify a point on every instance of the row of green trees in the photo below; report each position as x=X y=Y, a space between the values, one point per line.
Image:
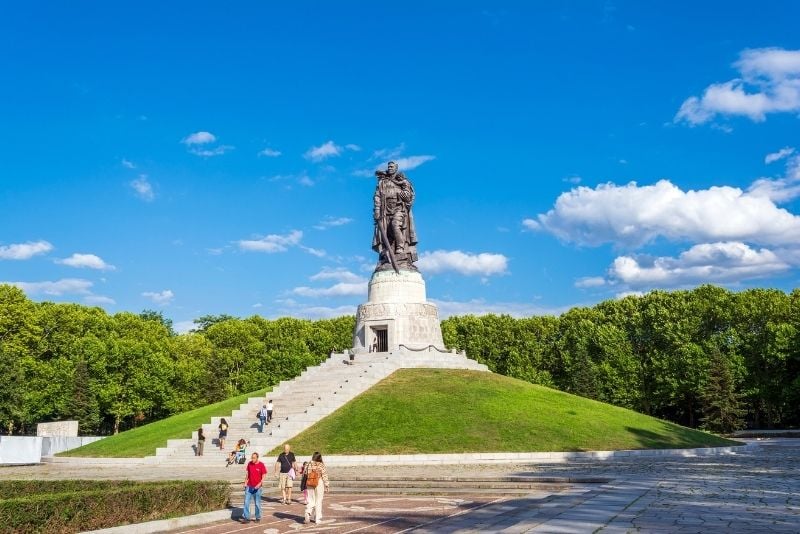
x=113 y=372
x=707 y=357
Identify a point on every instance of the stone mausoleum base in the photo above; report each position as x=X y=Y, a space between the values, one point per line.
x=397 y=315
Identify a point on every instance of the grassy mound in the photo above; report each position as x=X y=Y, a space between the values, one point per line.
x=449 y=411
x=143 y=441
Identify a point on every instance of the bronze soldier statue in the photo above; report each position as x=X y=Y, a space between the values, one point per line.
x=395 y=238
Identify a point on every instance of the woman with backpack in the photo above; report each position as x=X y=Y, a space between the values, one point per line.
x=317 y=484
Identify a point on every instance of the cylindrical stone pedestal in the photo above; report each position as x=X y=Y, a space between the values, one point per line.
x=397 y=314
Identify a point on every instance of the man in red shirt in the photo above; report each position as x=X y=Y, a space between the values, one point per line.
x=256 y=471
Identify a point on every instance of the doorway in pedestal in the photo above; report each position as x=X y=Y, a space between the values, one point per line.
x=380 y=336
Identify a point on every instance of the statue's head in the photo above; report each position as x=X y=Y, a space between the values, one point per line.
x=392 y=168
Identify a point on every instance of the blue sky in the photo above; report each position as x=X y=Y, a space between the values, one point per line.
x=203 y=159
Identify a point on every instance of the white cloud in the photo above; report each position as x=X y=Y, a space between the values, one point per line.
x=98 y=300
x=65 y=286
x=324 y=151
x=340 y=275
x=272 y=243
x=143 y=188
x=318 y=252
x=330 y=222
x=531 y=224
x=723 y=262
x=305 y=181
x=575 y=179
x=211 y=152
x=258 y=305
x=780 y=154
x=128 y=164
x=780 y=189
x=270 y=153
x=448 y=308
x=183 y=327
x=484 y=264
x=412 y=162
x=590 y=281
x=769 y=83
x=199 y=138
x=24 y=251
x=389 y=153
x=347 y=284
x=341 y=289
x=354 y=148
x=633 y=215
x=87 y=261
x=160 y=298
x=319 y=312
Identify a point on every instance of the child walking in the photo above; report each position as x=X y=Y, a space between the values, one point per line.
x=303 y=482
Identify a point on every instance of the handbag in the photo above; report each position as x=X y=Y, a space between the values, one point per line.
x=291 y=473
x=313 y=479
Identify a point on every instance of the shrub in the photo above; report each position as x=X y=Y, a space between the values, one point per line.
x=75 y=506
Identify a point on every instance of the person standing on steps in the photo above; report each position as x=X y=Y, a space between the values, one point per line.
x=223 y=433
x=318 y=484
x=256 y=471
x=262 y=418
x=269 y=411
x=285 y=463
x=201 y=441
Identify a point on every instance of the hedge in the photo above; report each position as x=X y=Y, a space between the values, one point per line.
x=75 y=506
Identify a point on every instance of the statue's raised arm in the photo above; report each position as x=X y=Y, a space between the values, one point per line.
x=395 y=238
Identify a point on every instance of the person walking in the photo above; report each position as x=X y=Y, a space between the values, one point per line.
x=201 y=441
x=223 y=433
x=269 y=410
x=317 y=484
x=286 y=465
x=262 y=418
x=256 y=471
x=303 y=479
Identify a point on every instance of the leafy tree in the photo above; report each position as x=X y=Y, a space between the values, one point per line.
x=158 y=316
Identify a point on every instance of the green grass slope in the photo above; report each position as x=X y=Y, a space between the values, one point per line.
x=449 y=411
x=143 y=441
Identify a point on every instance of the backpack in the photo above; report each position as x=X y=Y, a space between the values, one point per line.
x=313 y=478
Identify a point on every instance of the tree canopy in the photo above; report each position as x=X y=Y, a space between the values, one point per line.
x=706 y=357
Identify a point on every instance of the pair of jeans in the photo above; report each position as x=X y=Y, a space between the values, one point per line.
x=261 y=421
x=247 y=498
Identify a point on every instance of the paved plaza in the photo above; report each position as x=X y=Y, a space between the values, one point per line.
x=756 y=490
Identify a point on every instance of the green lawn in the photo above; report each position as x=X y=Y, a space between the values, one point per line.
x=144 y=440
x=448 y=411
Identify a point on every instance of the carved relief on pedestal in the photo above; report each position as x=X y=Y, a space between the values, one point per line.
x=380 y=311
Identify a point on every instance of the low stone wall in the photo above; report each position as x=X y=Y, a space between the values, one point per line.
x=524 y=457
x=55 y=444
x=31 y=449
x=20 y=450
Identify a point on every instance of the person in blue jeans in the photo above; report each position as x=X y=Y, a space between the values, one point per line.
x=256 y=471
x=262 y=419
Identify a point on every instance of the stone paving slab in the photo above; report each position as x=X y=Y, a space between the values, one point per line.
x=755 y=490
x=350 y=513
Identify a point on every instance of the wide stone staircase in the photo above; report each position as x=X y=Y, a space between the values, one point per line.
x=383 y=485
x=303 y=401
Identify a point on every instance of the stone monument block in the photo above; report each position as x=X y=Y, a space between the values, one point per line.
x=397 y=314
x=57 y=428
